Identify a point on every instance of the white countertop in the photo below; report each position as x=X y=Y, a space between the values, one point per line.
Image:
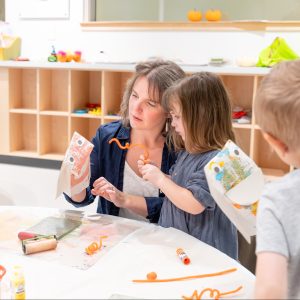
x=129 y=67
x=149 y=248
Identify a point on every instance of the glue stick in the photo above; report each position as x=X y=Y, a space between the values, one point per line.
x=17 y=283
x=183 y=257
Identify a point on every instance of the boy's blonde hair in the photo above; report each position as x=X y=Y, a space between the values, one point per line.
x=206 y=112
x=277 y=104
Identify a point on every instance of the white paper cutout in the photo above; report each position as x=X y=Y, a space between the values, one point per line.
x=235 y=182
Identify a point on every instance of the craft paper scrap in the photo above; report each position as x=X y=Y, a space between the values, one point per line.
x=75 y=170
x=236 y=183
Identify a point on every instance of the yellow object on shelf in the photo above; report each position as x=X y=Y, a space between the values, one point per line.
x=10 y=47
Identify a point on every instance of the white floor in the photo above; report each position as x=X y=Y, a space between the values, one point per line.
x=28 y=186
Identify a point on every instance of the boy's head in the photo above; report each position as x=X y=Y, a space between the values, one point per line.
x=277 y=109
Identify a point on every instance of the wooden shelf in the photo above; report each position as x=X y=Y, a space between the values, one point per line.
x=38 y=103
x=193 y=26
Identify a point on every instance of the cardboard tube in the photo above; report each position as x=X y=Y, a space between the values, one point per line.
x=39 y=244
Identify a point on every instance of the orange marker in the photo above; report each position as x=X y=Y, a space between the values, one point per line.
x=182 y=255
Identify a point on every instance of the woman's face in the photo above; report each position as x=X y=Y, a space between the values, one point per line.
x=145 y=112
x=177 y=121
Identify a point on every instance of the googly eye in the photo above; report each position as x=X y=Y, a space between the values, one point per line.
x=236 y=152
x=217 y=169
x=71 y=159
x=80 y=142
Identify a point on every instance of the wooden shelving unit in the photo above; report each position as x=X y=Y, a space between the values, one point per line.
x=37 y=103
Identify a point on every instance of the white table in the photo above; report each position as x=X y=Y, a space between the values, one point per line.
x=148 y=248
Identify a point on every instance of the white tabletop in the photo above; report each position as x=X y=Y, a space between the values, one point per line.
x=132 y=250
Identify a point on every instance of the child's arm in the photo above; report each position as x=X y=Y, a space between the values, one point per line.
x=271 y=276
x=181 y=197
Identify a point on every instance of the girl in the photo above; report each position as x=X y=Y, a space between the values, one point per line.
x=201 y=119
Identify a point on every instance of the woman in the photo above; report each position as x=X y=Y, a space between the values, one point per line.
x=114 y=172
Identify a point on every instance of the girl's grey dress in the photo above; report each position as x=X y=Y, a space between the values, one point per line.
x=211 y=226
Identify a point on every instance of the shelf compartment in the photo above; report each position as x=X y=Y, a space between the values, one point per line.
x=53 y=136
x=23 y=134
x=265 y=156
x=22 y=88
x=54 y=90
x=85 y=126
x=85 y=88
x=240 y=90
x=115 y=83
x=242 y=138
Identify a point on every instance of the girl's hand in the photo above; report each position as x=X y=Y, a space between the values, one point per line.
x=153 y=174
x=142 y=162
x=105 y=189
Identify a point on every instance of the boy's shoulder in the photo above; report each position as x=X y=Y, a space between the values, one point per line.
x=283 y=192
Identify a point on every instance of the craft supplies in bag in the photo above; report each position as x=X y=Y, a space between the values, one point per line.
x=17 y=283
x=278 y=51
x=75 y=171
x=10 y=45
x=235 y=182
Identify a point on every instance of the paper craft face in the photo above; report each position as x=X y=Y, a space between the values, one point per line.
x=231 y=166
x=75 y=171
x=236 y=183
x=78 y=153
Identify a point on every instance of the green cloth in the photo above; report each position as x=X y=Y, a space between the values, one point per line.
x=275 y=53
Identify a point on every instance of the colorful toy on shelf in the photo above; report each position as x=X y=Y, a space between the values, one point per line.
x=94 y=109
x=80 y=111
x=241 y=115
x=67 y=56
x=61 y=56
x=77 y=56
x=53 y=56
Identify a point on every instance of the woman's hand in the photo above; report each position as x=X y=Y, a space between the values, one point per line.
x=105 y=189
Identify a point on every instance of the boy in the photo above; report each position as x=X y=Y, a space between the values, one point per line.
x=277 y=110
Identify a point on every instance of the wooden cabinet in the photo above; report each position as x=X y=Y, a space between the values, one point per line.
x=37 y=104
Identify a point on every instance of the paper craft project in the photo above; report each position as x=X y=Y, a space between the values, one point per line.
x=75 y=171
x=236 y=183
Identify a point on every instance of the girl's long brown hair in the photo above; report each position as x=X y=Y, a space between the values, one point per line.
x=206 y=112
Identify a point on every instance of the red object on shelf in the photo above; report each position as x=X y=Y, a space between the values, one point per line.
x=238 y=114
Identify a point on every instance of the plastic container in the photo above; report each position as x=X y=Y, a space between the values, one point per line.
x=17 y=283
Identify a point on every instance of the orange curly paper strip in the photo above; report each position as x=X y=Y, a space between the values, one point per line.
x=186 y=277
x=94 y=247
x=214 y=294
x=128 y=146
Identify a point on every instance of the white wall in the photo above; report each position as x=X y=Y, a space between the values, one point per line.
x=192 y=47
x=28 y=186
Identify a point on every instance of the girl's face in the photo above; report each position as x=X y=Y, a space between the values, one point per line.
x=145 y=112
x=177 y=121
